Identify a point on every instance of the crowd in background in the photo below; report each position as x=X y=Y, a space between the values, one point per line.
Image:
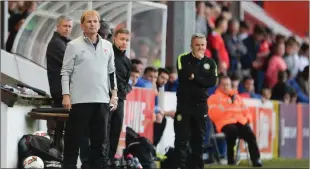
x=267 y=65
x=19 y=11
x=262 y=64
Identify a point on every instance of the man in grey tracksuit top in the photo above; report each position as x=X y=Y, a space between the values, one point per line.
x=88 y=74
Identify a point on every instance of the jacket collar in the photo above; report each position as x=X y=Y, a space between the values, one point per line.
x=117 y=51
x=231 y=92
x=63 y=38
x=193 y=57
x=86 y=39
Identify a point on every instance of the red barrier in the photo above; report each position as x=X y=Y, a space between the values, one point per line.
x=138 y=114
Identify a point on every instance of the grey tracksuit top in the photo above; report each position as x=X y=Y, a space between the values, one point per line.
x=85 y=71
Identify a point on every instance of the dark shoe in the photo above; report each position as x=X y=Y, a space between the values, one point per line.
x=116 y=163
x=181 y=167
x=84 y=166
x=231 y=162
x=257 y=163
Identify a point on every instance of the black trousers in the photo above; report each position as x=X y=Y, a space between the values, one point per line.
x=159 y=129
x=115 y=128
x=234 y=131
x=51 y=124
x=91 y=117
x=85 y=150
x=189 y=127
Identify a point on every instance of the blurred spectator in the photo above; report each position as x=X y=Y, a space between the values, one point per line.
x=253 y=44
x=275 y=65
x=281 y=87
x=215 y=13
x=254 y=59
x=144 y=50
x=105 y=30
x=160 y=122
x=293 y=97
x=201 y=22
x=301 y=85
x=208 y=16
x=155 y=59
x=132 y=54
x=163 y=76
x=217 y=45
x=266 y=94
x=287 y=98
x=173 y=82
x=234 y=45
x=13 y=7
x=244 y=30
x=146 y=81
x=291 y=57
x=270 y=36
x=235 y=81
x=280 y=38
x=226 y=13
x=138 y=64
x=161 y=81
x=24 y=9
x=303 y=56
x=247 y=88
x=13 y=33
x=134 y=76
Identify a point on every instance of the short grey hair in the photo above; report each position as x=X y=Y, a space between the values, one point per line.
x=197 y=35
x=63 y=17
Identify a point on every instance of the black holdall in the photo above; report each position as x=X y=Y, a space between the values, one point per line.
x=33 y=145
x=140 y=147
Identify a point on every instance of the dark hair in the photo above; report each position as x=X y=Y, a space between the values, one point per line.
x=121 y=30
x=259 y=30
x=247 y=78
x=134 y=69
x=280 y=37
x=219 y=21
x=269 y=30
x=105 y=29
x=149 y=69
x=198 y=3
x=304 y=47
x=209 y=4
x=292 y=93
x=305 y=72
x=136 y=61
x=163 y=70
x=233 y=20
x=244 y=24
x=225 y=9
x=235 y=76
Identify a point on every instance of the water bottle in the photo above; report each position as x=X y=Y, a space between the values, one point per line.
x=117 y=162
x=130 y=161
x=137 y=164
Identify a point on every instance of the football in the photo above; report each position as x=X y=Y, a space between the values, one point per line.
x=42 y=133
x=33 y=162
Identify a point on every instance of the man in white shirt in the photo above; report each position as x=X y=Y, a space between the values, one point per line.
x=88 y=75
